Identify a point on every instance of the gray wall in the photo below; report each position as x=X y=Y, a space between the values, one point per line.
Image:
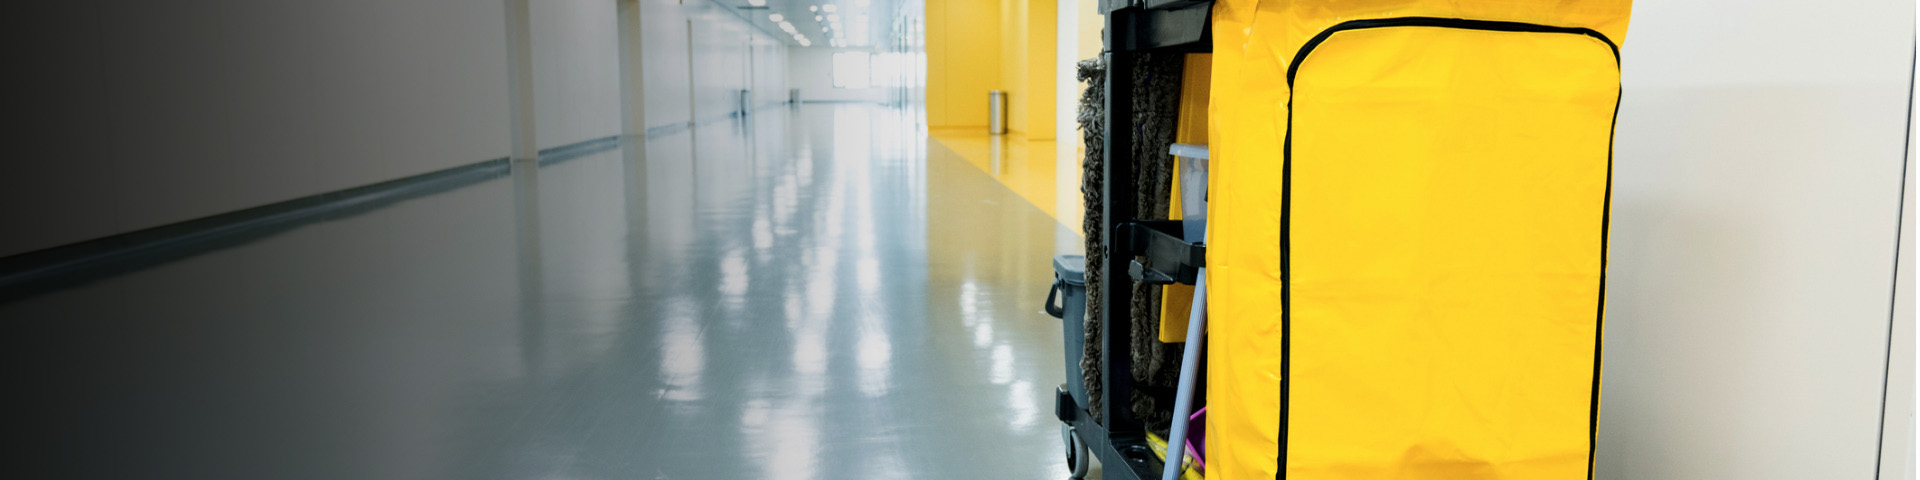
x=135 y=115
x=1756 y=201
x=140 y=114
x=576 y=70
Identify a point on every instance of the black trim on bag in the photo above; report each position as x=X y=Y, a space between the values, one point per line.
x=1286 y=208
x=1599 y=322
x=1458 y=23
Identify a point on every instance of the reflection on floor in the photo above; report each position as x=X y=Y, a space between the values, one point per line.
x=1032 y=169
x=804 y=294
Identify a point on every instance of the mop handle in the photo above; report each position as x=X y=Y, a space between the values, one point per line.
x=1189 y=364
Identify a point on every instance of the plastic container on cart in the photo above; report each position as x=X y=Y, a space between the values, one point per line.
x=1067 y=301
x=1193 y=189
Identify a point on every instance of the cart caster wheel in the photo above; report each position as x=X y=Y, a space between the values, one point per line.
x=1077 y=460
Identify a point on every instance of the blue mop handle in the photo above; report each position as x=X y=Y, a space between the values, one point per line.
x=1189 y=366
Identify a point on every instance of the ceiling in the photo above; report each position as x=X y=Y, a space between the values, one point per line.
x=863 y=23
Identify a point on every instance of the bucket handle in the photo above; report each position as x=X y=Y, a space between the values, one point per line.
x=1053 y=295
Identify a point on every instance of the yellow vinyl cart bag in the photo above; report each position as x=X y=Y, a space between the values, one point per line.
x=1410 y=205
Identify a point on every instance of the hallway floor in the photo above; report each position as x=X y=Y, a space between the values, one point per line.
x=811 y=293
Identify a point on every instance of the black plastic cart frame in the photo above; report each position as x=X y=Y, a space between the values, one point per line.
x=1132 y=28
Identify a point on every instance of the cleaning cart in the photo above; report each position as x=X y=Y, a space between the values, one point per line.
x=1407 y=276
x=1151 y=252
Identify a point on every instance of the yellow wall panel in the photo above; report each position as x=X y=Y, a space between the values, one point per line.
x=937 y=83
x=963 y=40
x=1013 y=62
x=1090 y=25
x=977 y=46
x=1041 y=37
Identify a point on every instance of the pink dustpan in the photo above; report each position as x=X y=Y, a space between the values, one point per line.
x=1197 y=438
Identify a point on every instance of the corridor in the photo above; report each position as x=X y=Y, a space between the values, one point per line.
x=813 y=240
x=809 y=292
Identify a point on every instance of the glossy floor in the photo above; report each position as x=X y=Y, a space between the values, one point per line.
x=1039 y=171
x=814 y=293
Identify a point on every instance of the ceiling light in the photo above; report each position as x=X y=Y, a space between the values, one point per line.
x=757 y=3
x=818 y=18
x=829 y=8
x=835 y=18
x=813 y=8
x=776 y=17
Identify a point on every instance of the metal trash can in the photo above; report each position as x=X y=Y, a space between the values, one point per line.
x=996 y=112
x=793 y=96
x=1067 y=301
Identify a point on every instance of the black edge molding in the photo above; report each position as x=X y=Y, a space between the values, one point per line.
x=33 y=273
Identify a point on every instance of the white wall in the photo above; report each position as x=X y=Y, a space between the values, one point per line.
x=1757 y=184
x=770 y=65
x=812 y=73
x=1896 y=426
x=140 y=115
x=705 y=87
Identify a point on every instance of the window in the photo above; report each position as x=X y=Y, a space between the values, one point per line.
x=851 y=70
